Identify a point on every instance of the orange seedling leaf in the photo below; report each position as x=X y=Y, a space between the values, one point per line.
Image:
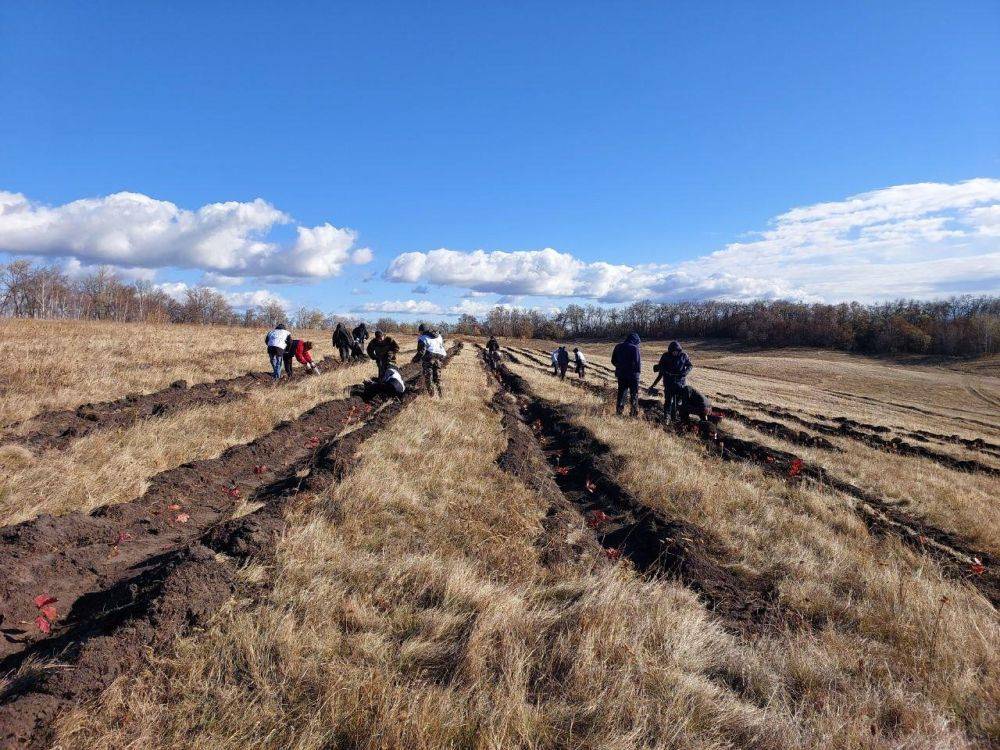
x=49 y=612
x=124 y=536
x=977 y=566
x=43 y=624
x=182 y=518
x=233 y=492
x=174 y=506
x=259 y=469
x=613 y=553
x=43 y=600
x=562 y=470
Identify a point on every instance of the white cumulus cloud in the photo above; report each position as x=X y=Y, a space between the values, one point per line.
x=919 y=240
x=420 y=307
x=133 y=230
x=241 y=300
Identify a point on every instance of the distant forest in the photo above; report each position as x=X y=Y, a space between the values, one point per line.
x=960 y=326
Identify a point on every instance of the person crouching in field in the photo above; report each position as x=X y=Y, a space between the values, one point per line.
x=383 y=350
x=628 y=366
x=691 y=401
x=342 y=342
x=673 y=367
x=299 y=349
x=430 y=354
x=580 y=361
x=277 y=341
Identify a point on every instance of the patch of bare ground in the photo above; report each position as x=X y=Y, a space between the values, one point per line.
x=179 y=585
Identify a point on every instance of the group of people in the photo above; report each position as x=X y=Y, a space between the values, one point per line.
x=283 y=350
x=560 y=362
x=673 y=368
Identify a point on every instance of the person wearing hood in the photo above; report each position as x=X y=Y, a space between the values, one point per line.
x=360 y=334
x=342 y=341
x=430 y=354
x=277 y=340
x=673 y=367
x=383 y=349
x=562 y=361
x=580 y=361
x=628 y=366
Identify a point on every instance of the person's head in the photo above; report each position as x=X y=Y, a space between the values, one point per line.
x=379 y=335
x=673 y=347
x=279 y=325
x=633 y=338
x=576 y=350
x=421 y=328
x=307 y=345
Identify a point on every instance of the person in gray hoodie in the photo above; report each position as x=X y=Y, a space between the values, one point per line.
x=628 y=366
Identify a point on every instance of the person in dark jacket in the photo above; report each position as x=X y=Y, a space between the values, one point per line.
x=581 y=362
x=360 y=334
x=628 y=365
x=691 y=401
x=342 y=341
x=383 y=349
x=562 y=360
x=493 y=353
x=673 y=367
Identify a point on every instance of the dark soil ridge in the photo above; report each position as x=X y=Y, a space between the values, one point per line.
x=56 y=430
x=75 y=554
x=565 y=541
x=868 y=435
x=178 y=592
x=917 y=409
x=585 y=468
x=955 y=556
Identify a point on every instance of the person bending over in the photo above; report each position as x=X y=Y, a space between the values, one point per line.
x=300 y=350
x=383 y=349
x=430 y=354
x=277 y=340
x=342 y=342
x=673 y=367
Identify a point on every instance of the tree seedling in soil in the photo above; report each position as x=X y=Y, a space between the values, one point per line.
x=977 y=568
x=44 y=603
x=182 y=518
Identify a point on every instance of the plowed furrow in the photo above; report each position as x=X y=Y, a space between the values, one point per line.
x=168 y=595
x=71 y=555
x=585 y=470
x=58 y=429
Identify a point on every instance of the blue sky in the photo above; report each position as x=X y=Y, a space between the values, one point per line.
x=595 y=151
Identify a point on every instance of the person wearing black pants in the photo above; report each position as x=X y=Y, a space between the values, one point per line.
x=628 y=365
x=673 y=367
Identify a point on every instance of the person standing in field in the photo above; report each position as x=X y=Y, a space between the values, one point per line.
x=493 y=353
x=430 y=354
x=360 y=334
x=383 y=350
x=277 y=340
x=580 y=361
x=555 y=361
x=628 y=365
x=342 y=342
x=299 y=350
x=673 y=367
x=562 y=361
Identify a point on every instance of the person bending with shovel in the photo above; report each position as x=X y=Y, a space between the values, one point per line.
x=673 y=367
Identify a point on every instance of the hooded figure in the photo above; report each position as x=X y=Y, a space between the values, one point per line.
x=673 y=367
x=342 y=341
x=562 y=361
x=628 y=365
x=360 y=333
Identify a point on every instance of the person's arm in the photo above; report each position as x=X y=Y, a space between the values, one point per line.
x=686 y=366
x=370 y=349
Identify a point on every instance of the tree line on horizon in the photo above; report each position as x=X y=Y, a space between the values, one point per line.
x=965 y=326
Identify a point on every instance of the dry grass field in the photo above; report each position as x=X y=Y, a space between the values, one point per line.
x=511 y=566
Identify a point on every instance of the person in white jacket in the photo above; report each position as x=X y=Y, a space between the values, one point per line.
x=430 y=354
x=581 y=362
x=277 y=340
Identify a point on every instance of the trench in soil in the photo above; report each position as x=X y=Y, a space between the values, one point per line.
x=584 y=471
x=56 y=430
x=956 y=557
x=168 y=594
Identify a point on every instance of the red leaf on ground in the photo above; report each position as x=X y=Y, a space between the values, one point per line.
x=259 y=469
x=796 y=468
x=233 y=492
x=562 y=470
x=182 y=518
x=613 y=553
x=43 y=600
x=977 y=567
x=769 y=459
x=124 y=536
x=174 y=506
x=50 y=612
x=43 y=624
x=597 y=518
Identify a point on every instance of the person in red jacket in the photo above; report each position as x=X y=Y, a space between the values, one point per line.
x=299 y=349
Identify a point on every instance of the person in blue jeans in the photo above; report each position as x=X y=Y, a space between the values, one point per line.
x=628 y=365
x=277 y=340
